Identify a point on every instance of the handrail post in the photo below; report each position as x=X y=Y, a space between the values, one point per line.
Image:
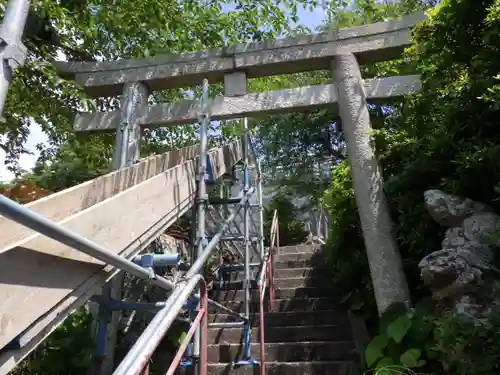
x=201 y=199
x=246 y=224
x=262 y=358
x=266 y=278
x=261 y=210
x=271 y=280
x=204 y=331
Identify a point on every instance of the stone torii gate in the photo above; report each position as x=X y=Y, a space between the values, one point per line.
x=340 y=52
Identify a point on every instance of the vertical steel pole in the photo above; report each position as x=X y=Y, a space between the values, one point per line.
x=220 y=209
x=12 y=50
x=201 y=200
x=261 y=210
x=246 y=224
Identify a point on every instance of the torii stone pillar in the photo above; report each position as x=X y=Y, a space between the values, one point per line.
x=389 y=280
x=133 y=103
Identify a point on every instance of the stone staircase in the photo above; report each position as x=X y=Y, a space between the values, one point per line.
x=308 y=332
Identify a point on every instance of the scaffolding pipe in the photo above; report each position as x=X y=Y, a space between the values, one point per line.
x=200 y=262
x=221 y=218
x=145 y=345
x=246 y=225
x=201 y=200
x=12 y=50
x=261 y=210
x=242 y=234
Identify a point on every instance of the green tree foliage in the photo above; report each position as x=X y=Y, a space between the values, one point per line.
x=67 y=352
x=291 y=230
x=84 y=30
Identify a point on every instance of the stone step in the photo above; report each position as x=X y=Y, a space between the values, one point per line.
x=283 y=334
x=295 y=304
x=286 y=351
x=287 y=282
x=284 y=273
x=299 y=249
x=305 y=272
x=301 y=282
x=314 y=258
x=281 y=293
x=291 y=318
x=285 y=262
x=235 y=285
x=280 y=273
x=238 y=275
x=288 y=368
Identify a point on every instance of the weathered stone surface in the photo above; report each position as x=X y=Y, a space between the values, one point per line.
x=287 y=351
x=292 y=318
x=251 y=104
x=450 y=210
x=290 y=368
x=370 y=43
x=461 y=275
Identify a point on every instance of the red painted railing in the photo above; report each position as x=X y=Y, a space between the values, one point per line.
x=267 y=277
x=201 y=321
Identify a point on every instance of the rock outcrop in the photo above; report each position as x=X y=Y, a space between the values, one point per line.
x=462 y=275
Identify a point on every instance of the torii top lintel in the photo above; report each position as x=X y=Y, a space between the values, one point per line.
x=374 y=42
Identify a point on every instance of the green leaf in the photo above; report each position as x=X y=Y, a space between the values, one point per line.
x=385 y=366
x=375 y=349
x=410 y=358
x=398 y=329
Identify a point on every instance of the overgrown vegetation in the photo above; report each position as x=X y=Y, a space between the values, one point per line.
x=68 y=351
x=291 y=230
x=426 y=341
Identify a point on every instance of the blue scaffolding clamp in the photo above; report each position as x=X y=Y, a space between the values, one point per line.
x=247 y=359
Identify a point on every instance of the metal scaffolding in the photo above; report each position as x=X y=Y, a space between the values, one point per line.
x=231 y=223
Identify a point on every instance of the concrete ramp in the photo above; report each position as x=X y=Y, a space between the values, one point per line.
x=42 y=281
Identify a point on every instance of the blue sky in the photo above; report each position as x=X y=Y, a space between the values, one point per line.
x=36 y=136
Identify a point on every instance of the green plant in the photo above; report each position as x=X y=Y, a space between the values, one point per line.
x=466 y=347
x=425 y=341
x=403 y=340
x=68 y=351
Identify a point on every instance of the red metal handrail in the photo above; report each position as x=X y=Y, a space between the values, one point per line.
x=268 y=277
x=201 y=321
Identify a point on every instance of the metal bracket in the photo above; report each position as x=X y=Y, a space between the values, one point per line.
x=13 y=51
